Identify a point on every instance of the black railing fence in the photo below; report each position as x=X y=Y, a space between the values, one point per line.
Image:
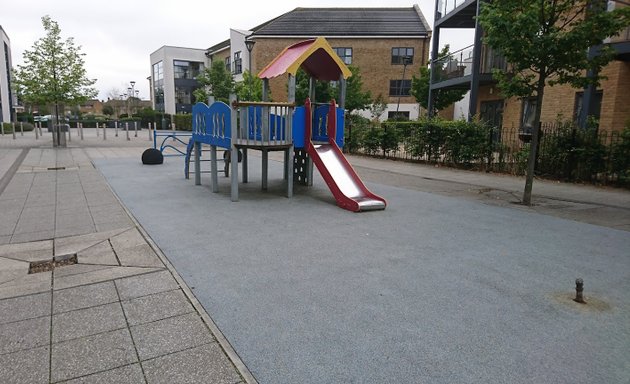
x=566 y=152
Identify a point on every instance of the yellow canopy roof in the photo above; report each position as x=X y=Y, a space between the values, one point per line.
x=315 y=56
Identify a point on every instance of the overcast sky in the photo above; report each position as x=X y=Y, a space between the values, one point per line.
x=118 y=36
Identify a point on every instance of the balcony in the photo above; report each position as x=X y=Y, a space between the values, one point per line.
x=455 y=70
x=456 y=13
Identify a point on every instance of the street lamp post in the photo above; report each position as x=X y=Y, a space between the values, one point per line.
x=406 y=61
x=132 y=93
x=249 y=44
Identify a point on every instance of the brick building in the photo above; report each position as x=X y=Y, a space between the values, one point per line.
x=382 y=42
x=471 y=69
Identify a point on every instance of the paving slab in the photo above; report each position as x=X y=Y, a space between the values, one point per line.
x=26 y=285
x=156 y=307
x=84 y=296
x=25 y=367
x=204 y=364
x=128 y=239
x=25 y=307
x=24 y=334
x=92 y=354
x=32 y=251
x=129 y=374
x=139 y=256
x=87 y=322
x=12 y=269
x=145 y=284
x=73 y=244
x=22 y=237
x=101 y=253
x=99 y=275
x=170 y=335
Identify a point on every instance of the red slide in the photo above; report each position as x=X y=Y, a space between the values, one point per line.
x=343 y=181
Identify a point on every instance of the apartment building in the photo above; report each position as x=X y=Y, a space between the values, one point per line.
x=173 y=78
x=386 y=44
x=6 y=94
x=471 y=69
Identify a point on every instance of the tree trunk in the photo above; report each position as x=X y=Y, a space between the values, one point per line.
x=533 y=149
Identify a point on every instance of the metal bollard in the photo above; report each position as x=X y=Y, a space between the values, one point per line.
x=127 y=130
x=40 y=129
x=36 y=132
x=116 y=127
x=104 y=131
x=69 y=133
x=150 y=125
x=81 y=130
x=13 y=128
x=135 y=128
x=21 y=128
x=98 y=134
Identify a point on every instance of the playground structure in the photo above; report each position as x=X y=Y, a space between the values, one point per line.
x=309 y=134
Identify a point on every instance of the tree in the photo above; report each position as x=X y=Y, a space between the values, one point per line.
x=325 y=91
x=250 y=89
x=356 y=98
x=215 y=81
x=53 y=72
x=547 y=43
x=108 y=110
x=378 y=107
x=442 y=98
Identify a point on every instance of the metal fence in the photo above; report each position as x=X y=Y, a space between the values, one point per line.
x=566 y=152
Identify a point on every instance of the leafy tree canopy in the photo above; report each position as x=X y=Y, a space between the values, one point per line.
x=215 y=81
x=53 y=71
x=548 y=43
x=549 y=40
x=325 y=91
x=250 y=89
x=442 y=98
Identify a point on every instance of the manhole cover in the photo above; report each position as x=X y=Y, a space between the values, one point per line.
x=49 y=265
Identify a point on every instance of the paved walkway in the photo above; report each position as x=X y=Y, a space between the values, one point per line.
x=85 y=296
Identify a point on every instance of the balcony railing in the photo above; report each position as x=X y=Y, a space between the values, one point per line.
x=459 y=63
x=447 y=6
x=622 y=37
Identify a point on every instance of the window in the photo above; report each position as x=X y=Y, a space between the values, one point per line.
x=238 y=63
x=399 y=87
x=401 y=115
x=595 y=107
x=228 y=64
x=529 y=111
x=345 y=54
x=181 y=69
x=158 y=85
x=183 y=95
x=158 y=71
x=399 y=53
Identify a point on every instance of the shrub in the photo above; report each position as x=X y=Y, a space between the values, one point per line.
x=26 y=127
x=620 y=157
x=183 y=122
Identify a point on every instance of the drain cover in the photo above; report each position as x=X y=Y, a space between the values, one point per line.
x=49 y=265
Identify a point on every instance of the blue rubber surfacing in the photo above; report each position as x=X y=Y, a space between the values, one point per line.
x=433 y=289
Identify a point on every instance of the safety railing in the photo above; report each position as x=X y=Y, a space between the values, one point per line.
x=263 y=124
x=459 y=63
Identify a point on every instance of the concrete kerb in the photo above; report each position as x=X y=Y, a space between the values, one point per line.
x=221 y=339
x=4 y=180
